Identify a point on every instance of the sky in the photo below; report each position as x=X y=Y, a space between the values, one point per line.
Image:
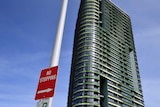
x=27 y=33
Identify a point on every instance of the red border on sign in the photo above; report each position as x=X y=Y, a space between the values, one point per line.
x=47 y=82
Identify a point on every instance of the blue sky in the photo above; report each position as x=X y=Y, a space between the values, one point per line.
x=27 y=32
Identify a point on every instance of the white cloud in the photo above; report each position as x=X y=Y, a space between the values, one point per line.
x=11 y=94
x=19 y=78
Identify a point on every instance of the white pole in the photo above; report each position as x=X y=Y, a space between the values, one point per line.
x=57 y=44
x=58 y=40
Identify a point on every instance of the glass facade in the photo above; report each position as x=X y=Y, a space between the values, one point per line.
x=104 y=70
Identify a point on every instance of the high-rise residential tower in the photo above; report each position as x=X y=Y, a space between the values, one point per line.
x=104 y=70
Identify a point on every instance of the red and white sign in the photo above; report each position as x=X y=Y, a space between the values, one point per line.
x=46 y=83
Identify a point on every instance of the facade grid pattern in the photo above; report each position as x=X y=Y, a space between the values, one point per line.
x=104 y=70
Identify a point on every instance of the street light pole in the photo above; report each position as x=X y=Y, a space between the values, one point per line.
x=59 y=35
x=47 y=102
x=58 y=40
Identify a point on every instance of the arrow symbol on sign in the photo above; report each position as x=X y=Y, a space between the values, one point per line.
x=44 y=91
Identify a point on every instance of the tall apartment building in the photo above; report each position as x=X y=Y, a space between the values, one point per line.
x=104 y=70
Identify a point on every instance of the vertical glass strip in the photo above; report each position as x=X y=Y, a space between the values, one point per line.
x=134 y=71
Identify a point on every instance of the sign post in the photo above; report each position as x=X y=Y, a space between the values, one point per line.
x=47 y=102
x=46 y=83
x=43 y=103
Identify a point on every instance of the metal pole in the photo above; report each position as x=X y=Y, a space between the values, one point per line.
x=58 y=40
x=57 y=45
x=59 y=35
